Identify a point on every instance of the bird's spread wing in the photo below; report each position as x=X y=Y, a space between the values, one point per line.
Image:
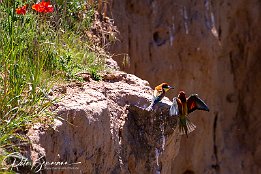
x=194 y=102
x=174 y=109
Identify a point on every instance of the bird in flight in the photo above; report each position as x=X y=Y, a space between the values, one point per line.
x=182 y=107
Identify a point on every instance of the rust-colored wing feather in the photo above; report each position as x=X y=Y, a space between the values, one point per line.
x=194 y=102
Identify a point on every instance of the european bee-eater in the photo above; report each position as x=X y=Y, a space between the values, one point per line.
x=158 y=94
x=182 y=106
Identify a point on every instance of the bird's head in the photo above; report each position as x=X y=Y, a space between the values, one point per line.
x=166 y=87
x=182 y=96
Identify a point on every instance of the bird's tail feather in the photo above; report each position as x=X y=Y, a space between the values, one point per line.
x=187 y=128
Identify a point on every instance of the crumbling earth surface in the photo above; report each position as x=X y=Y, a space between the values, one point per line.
x=103 y=127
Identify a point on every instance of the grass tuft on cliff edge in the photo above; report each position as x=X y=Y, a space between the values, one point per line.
x=40 y=48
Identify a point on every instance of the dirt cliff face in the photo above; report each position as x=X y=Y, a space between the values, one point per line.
x=103 y=127
x=207 y=47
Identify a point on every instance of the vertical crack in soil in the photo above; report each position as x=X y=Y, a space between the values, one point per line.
x=216 y=165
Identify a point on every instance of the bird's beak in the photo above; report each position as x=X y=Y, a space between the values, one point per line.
x=168 y=88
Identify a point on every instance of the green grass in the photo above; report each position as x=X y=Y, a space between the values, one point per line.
x=36 y=51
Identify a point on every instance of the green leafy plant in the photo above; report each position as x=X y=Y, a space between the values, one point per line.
x=39 y=47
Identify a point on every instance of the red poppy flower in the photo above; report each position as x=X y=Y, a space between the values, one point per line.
x=21 y=10
x=43 y=7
